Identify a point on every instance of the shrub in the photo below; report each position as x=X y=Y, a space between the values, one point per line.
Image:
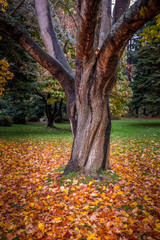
x=32 y=118
x=5 y=120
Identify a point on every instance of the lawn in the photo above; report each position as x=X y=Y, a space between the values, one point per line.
x=128 y=128
x=35 y=203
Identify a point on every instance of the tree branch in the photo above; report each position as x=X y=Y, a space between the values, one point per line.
x=48 y=34
x=120 y=7
x=18 y=33
x=40 y=95
x=87 y=14
x=105 y=22
x=134 y=18
x=19 y=5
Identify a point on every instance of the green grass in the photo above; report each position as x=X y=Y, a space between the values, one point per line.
x=125 y=128
x=136 y=128
x=35 y=132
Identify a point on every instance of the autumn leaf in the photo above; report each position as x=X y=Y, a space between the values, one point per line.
x=33 y=203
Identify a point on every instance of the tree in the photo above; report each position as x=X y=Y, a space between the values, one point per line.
x=51 y=93
x=151 y=32
x=18 y=89
x=144 y=59
x=98 y=51
x=146 y=82
x=120 y=97
x=121 y=93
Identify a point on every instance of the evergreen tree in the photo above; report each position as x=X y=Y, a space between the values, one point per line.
x=146 y=83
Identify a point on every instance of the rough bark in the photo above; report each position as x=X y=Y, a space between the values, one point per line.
x=105 y=22
x=48 y=33
x=89 y=150
x=119 y=8
x=87 y=16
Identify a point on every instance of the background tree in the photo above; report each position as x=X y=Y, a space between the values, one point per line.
x=18 y=91
x=121 y=93
x=145 y=79
x=98 y=51
x=51 y=93
x=146 y=82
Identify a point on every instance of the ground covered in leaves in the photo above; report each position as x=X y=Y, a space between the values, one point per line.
x=36 y=204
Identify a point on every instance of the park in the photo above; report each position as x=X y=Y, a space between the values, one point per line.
x=79 y=120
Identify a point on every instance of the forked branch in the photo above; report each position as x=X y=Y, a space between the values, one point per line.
x=18 y=33
x=132 y=20
x=87 y=14
x=48 y=33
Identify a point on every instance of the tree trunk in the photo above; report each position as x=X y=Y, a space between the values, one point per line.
x=91 y=143
x=90 y=150
x=50 y=117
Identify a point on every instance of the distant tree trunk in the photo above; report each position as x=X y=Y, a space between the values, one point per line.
x=137 y=112
x=58 y=112
x=50 y=116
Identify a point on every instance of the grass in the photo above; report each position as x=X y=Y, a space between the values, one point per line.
x=126 y=128
x=35 y=132
x=136 y=128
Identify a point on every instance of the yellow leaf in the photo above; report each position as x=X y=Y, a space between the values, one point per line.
x=131 y=221
x=79 y=236
x=41 y=226
x=71 y=219
x=83 y=213
x=157 y=225
x=40 y=187
x=1 y=202
x=92 y=236
x=31 y=204
x=146 y=220
x=134 y=204
x=119 y=192
x=102 y=220
x=48 y=197
x=86 y=207
x=76 y=229
x=129 y=231
x=146 y=198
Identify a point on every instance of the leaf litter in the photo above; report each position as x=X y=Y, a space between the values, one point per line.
x=36 y=204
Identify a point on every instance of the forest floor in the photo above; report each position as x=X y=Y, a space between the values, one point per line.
x=35 y=203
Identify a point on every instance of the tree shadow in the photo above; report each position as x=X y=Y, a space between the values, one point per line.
x=145 y=124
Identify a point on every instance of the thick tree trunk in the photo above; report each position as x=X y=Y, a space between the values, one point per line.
x=90 y=150
x=91 y=143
